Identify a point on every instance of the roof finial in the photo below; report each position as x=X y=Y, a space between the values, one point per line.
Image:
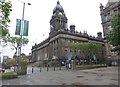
x=101 y=6
x=58 y=2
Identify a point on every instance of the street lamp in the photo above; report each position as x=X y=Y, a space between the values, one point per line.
x=21 y=34
x=22 y=24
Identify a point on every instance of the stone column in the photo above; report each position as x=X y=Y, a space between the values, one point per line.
x=53 y=48
x=59 y=48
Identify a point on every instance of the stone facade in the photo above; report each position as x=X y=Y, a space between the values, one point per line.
x=54 y=47
x=111 y=8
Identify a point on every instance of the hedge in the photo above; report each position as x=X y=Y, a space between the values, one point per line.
x=82 y=67
x=8 y=75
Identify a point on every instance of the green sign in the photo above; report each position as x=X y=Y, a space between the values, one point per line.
x=18 y=27
x=26 y=25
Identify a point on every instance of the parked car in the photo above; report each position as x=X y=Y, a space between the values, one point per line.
x=2 y=70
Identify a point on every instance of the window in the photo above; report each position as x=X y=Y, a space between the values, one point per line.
x=105 y=18
x=109 y=29
x=68 y=41
x=119 y=10
x=108 y=17
x=115 y=11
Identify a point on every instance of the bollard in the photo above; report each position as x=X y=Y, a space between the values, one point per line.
x=60 y=67
x=47 y=68
x=54 y=68
x=32 y=69
x=40 y=69
x=14 y=68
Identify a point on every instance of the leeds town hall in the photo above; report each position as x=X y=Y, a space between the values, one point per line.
x=54 y=46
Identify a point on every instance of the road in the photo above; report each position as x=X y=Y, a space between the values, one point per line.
x=100 y=76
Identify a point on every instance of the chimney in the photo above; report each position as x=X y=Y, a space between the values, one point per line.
x=101 y=6
x=72 y=28
x=99 y=35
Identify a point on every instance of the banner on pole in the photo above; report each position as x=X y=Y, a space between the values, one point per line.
x=25 y=27
x=18 y=26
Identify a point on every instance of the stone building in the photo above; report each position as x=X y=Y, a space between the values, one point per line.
x=111 y=8
x=54 y=47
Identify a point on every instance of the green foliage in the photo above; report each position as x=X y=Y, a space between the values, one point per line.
x=114 y=36
x=8 y=75
x=4 y=65
x=85 y=49
x=83 y=67
x=16 y=41
x=5 y=9
x=10 y=62
x=116 y=49
x=84 y=45
x=4 y=32
x=22 y=62
x=25 y=41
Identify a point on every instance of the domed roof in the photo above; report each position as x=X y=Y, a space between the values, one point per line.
x=58 y=7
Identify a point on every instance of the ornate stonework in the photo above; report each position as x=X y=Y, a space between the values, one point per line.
x=54 y=46
x=111 y=8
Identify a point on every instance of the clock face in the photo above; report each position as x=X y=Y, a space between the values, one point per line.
x=60 y=13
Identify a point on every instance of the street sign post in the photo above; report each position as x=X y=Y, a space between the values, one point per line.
x=69 y=56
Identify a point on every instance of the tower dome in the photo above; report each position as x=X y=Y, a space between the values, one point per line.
x=58 y=7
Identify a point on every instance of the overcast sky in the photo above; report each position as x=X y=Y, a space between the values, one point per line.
x=85 y=14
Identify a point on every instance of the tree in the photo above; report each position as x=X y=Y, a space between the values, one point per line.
x=16 y=42
x=87 y=49
x=22 y=65
x=114 y=36
x=5 y=9
x=85 y=46
x=10 y=62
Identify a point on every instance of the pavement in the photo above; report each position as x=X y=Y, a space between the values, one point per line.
x=99 y=76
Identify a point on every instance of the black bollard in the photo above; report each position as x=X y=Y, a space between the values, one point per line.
x=14 y=68
x=47 y=67
x=32 y=69
x=54 y=68
x=60 y=68
x=40 y=69
x=59 y=65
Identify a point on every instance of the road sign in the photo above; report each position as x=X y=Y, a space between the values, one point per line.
x=69 y=56
x=94 y=57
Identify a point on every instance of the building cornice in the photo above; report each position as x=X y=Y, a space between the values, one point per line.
x=68 y=35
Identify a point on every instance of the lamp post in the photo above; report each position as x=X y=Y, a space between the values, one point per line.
x=21 y=34
x=22 y=25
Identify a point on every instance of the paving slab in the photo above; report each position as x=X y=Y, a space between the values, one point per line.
x=100 y=76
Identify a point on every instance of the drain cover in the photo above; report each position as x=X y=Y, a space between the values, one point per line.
x=79 y=76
